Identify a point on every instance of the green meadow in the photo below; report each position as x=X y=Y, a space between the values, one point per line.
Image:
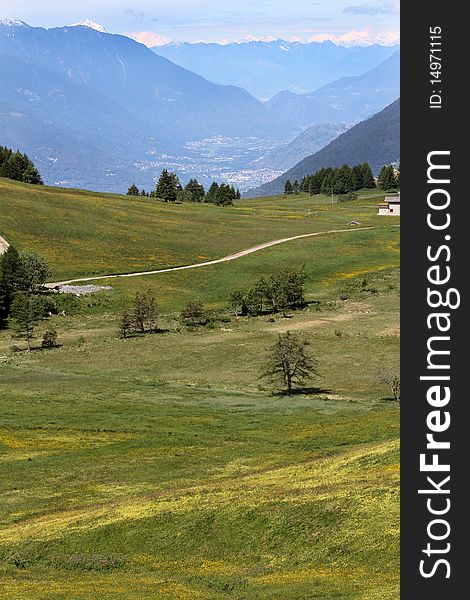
x=160 y=466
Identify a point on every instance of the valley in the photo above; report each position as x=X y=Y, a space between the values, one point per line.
x=161 y=465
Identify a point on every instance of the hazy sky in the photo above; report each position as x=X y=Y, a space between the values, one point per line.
x=216 y=20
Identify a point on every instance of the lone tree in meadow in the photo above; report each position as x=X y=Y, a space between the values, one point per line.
x=26 y=312
x=289 y=363
x=392 y=380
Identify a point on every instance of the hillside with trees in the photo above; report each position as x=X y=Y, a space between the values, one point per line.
x=17 y=166
x=375 y=141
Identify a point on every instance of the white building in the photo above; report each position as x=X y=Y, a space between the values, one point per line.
x=391 y=206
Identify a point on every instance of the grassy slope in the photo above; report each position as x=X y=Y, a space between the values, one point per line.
x=154 y=468
x=83 y=233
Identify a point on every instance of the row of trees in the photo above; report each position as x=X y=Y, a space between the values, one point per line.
x=169 y=189
x=341 y=180
x=272 y=294
x=17 y=166
x=345 y=180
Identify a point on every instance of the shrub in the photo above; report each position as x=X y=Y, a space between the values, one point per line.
x=194 y=314
x=49 y=339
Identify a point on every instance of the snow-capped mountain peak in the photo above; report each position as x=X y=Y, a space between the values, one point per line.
x=91 y=25
x=12 y=22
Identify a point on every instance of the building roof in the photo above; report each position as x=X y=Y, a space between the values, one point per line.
x=392 y=199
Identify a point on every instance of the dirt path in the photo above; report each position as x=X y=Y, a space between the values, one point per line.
x=3 y=245
x=216 y=261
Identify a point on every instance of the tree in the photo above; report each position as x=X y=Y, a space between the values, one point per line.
x=328 y=182
x=33 y=272
x=31 y=175
x=357 y=178
x=295 y=187
x=126 y=324
x=196 y=190
x=342 y=182
x=193 y=314
x=10 y=267
x=288 y=189
x=254 y=301
x=292 y=287
x=225 y=195
x=387 y=180
x=183 y=196
x=167 y=186
x=26 y=311
x=368 y=181
x=49 y=339
x=289 y=363
x=144 y=311
x=133 y=190
x=237 y=302
x=212 y=193
x=392 y=380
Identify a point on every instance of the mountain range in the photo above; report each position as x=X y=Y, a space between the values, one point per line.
x=346 y=99
x=376 y=141
x=175 y=102
x=99 y=110
x=80 y=90
x=267 y=68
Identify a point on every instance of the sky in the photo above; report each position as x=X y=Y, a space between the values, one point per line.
x=343 y=21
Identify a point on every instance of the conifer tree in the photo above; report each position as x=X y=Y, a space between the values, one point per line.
x=196 y=190
x=212 y=193
x=167 y=186
x=368 y=181
x=133 y=190
x=288 y=189
x=26 y=311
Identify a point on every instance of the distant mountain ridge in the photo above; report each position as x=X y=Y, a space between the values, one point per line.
x=309 y=141
x=95 y=104
x=147 y=85
x=376 y=141
x=267 y=68
x=346 y=99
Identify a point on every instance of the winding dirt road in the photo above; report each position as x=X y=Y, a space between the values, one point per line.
x=212 y=262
